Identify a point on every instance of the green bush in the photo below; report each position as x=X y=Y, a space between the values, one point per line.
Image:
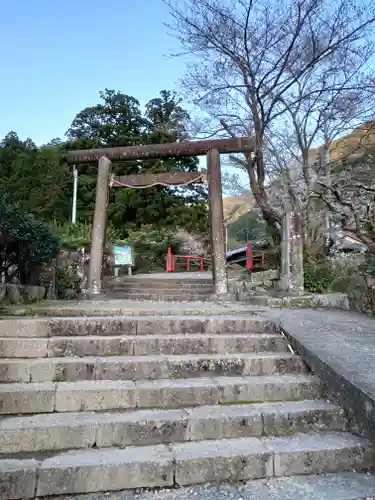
x=66 y=284
x=150 y=246
x=74 y=236
x=25 y=243
x=368 y=266
x=344 y=278
x=326 y=276
x=318 y=276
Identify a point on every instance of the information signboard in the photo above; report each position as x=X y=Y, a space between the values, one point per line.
x=123 y=255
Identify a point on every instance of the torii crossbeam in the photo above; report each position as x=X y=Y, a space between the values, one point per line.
x=211 y=148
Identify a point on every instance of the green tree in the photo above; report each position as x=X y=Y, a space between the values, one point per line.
x=37 y=179
x=248 y=227
x=16 y=158
x=26 y=243
x=118 y=121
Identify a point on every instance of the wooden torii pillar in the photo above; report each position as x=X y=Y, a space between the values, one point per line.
x=211 y=148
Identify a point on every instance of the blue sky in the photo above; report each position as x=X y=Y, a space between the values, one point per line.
x=56 y=55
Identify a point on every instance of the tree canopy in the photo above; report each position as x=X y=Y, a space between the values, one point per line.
x=26 y=243
x=39 y=181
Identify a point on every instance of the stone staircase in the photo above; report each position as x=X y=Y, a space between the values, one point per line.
x=164 y=288
x=116 y=403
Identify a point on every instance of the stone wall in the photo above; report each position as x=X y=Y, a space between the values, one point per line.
x=69 y=263
x=251 y=284
x=20 y=294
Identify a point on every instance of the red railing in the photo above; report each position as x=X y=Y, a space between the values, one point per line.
x=251 y=257
x=203 y=262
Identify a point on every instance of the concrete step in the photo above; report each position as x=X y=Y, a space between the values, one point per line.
x=145 y=286
x=118 y=345
x=104 y=469
x=149 y=283
x=162 y=296
x=71 y=369
x=95 y=395
x=61 y=431
x=339 y=486
x=138 y=325
x=199 y=292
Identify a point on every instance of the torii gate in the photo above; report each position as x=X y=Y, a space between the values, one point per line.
x=211 y=148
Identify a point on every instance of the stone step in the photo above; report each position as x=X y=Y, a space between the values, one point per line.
x=145 y=285
x=339 y=486
x=93 y=345
x=71 y=369
x=61 y=431
x=127 y=325
x=104 y=469
x=101 y=395
x=149 y=283
x=162 y=296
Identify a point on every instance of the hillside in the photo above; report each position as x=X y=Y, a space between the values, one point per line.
x=359 y=142
x=235 y=206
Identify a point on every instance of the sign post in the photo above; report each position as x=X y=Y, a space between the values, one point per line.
x=123 y=257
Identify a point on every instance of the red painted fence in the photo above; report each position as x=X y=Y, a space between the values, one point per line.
x=251 y=257
x=205 y=262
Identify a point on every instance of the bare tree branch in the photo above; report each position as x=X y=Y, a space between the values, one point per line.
x=258 y=64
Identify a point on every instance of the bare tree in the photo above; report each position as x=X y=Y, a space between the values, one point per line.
x=328 y=105
x=233 y=185
x=300 y=171
x=327 y=121
x=251 y=57
x=350 y=195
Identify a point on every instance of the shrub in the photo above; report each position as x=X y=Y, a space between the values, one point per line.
x=67 y=284
x=74 y=236
x=150 y=246
x=361 y=294
x=317 y=276
x=344 y=278
x=346 y=275
x=25 y=242
x=331 y=275
x=368 y=266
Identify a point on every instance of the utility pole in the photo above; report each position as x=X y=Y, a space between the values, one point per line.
x=75 y=189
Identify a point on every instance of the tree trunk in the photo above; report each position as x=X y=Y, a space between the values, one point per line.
x=271 y=216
